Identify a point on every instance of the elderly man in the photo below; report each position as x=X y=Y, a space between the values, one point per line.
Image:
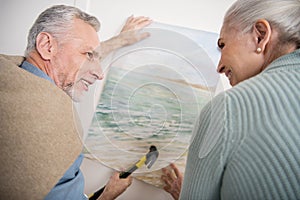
x=63 y=48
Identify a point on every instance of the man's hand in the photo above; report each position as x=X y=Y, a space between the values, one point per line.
x=135 y=23
x=115 y=187
x=173 y=180
x=130 y=34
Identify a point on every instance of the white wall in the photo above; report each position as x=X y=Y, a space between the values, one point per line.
x=197 y=14
x=17 y=16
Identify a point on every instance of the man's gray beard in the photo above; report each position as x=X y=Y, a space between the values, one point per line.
x=71 y=93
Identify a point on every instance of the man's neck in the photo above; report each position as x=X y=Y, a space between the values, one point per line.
x=35 y=59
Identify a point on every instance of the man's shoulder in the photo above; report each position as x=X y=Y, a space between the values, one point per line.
x=40 y=131
x=12 y=59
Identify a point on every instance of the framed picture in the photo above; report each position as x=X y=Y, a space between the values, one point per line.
x=153 y=93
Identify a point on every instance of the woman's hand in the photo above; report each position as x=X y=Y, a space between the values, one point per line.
x=173 y=178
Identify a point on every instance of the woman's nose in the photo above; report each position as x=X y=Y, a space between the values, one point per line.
x=220 y=68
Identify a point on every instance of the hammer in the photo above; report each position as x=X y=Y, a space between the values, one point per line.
x=147 y=159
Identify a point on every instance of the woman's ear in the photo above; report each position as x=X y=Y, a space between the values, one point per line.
x=262 y=32
x=46 y=45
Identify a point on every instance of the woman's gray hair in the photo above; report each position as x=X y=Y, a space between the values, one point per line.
x=283 y=15
x=57 y=20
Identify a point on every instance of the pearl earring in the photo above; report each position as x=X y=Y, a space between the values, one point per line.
x=258 y=50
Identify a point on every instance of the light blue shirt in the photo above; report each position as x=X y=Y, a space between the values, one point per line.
x=71 y=185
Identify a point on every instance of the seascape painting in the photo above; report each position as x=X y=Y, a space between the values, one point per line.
x=152 y=95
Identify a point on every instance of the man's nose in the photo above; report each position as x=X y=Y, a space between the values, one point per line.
x=97 y=71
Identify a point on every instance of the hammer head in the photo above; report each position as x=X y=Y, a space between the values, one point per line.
x=151 y=156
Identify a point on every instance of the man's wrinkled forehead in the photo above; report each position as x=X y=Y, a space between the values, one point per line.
x=84 y=31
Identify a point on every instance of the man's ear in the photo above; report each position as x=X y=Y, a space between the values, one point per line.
x=46 y=45
x=262 y=33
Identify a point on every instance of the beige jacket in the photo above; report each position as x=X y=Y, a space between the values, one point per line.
x=39 y=132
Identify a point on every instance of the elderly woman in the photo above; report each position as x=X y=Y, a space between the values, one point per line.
x=246 y=143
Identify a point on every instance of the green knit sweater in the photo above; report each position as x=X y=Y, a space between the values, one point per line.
x=246 y=143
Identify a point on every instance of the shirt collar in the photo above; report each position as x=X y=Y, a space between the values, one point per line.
x=36 y=71
x=287 y=61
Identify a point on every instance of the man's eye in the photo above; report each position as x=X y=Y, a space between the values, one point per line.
x=90 y=55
